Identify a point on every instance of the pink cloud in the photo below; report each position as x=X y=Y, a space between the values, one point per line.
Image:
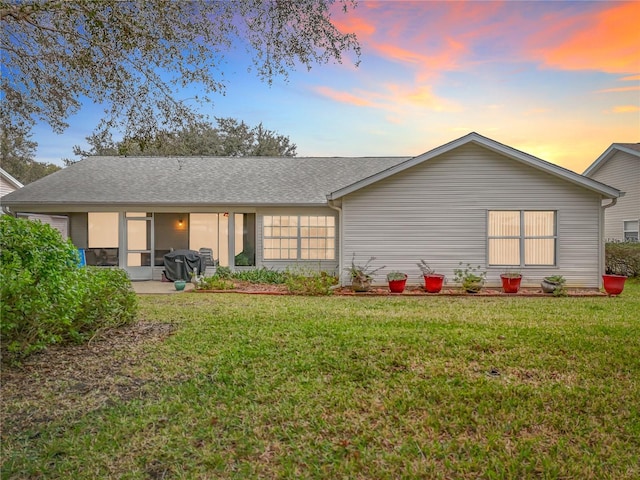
x=607 y=40
x=344 y=97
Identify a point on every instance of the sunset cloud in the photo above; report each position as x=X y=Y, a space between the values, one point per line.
x=620 y=89
x=344 y=97
x=608 y=41
x=626 y=109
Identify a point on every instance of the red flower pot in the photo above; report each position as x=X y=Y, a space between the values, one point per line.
x=397 y=286
x=433 y=282
x=613 y=284
x=511 y=284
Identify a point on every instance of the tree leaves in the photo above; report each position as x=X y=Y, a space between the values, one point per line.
x=133 y=56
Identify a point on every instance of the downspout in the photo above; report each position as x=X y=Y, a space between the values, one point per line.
x=341 y=233
x=602 y=240
x=7 y=210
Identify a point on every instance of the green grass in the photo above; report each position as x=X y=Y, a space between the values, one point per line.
x=375 y=388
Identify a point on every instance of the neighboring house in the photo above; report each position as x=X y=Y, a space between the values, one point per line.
x=472 y=200
x=619 y=165
x=8 y=184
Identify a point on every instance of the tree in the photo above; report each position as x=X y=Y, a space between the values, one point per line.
x=230 y=138
x=132 y=56
x=17 y=152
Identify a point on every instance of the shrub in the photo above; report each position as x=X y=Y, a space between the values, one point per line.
x=108 y=300
x=623 y=258
x=38 y=278
x=215 y=283
x=260 y=275
x=223 y=272
x=310 y=282
x=45 y=298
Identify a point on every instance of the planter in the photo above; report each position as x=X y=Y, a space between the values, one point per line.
x=179 y=284
x=613 y=284
x=358 y=285
x=510 y=283
x=548 y=287
x=433 y=282
x=397 y=286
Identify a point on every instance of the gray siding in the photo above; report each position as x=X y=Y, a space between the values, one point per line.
x=437 y=211
x=621 y=171
x=320 y=265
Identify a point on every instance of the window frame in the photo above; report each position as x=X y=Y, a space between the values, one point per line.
x=522 y=238
x=636 y=231
x=299 y=237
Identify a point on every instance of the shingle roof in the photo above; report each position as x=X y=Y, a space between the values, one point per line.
x=199 y=180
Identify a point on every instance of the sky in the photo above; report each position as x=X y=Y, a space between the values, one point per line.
x=556 y=79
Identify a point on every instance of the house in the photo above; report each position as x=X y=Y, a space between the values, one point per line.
x=8 y=183
x=619 y=165
x=472 y=200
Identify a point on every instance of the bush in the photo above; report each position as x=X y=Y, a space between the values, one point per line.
x=260 y=275
x=303 y=282
x=623 y=258
x=45 y=298
x=108 y=300
x=215 y=283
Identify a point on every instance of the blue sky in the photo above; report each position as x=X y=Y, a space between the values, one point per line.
x=559 y=80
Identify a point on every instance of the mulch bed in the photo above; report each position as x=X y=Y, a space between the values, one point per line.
x=411 y=291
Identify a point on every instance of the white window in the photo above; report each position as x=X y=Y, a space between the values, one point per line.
x=631 y=230
x=304 y=237
x=522 y=238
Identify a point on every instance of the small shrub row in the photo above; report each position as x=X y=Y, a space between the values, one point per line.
x=300 y=281
x=623 y=258
x=45 y=298
x=259 y=275
x=310 y=282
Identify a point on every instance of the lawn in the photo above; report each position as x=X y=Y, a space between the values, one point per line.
x=252 y=386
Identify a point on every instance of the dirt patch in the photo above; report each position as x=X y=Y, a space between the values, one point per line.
x=64 y=382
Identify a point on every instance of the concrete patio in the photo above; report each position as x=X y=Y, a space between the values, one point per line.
x=155 y=287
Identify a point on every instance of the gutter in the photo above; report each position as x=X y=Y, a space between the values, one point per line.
x=331 y=205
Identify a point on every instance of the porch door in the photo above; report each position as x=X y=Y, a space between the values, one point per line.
x=138 y=241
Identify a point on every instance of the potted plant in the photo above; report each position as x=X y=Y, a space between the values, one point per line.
x=613 y=284
x=553 y=284
x=361 y=275
x=511 y=281
x=432 y=281
x=397 y=281
x=471 y=278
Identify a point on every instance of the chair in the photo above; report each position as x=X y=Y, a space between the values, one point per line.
x=207 y=257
